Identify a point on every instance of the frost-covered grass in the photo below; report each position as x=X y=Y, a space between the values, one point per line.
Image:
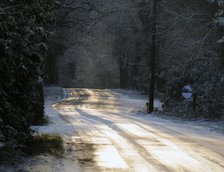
x=45 y=144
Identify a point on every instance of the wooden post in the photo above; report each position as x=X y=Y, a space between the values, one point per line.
x=152 y=60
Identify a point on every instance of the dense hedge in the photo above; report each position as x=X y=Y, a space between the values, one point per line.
x=191 y=52
x=23 y=38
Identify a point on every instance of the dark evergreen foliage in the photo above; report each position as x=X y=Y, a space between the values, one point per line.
x=189 y=51
x=23 y=38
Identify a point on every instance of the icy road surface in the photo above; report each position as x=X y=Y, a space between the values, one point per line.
x=107 y=134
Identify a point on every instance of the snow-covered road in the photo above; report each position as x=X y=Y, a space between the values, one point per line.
x=110 y=133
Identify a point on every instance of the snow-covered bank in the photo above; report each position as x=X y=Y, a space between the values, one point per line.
x=57 y=125
x=133 y=104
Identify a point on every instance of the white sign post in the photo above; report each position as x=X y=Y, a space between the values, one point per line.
x=189 y=95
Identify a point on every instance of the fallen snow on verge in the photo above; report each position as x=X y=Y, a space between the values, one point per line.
x=133 y=104
x=58 y=126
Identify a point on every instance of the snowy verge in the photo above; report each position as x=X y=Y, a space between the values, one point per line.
x=133 y=104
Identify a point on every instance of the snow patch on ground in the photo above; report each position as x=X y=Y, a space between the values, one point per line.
x=134 y=105
x=56 y=124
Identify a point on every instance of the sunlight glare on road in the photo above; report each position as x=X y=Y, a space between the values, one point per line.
x=173 y=158
x=108 y=157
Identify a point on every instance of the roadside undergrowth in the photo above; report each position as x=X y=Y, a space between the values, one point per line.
x=45 y=144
